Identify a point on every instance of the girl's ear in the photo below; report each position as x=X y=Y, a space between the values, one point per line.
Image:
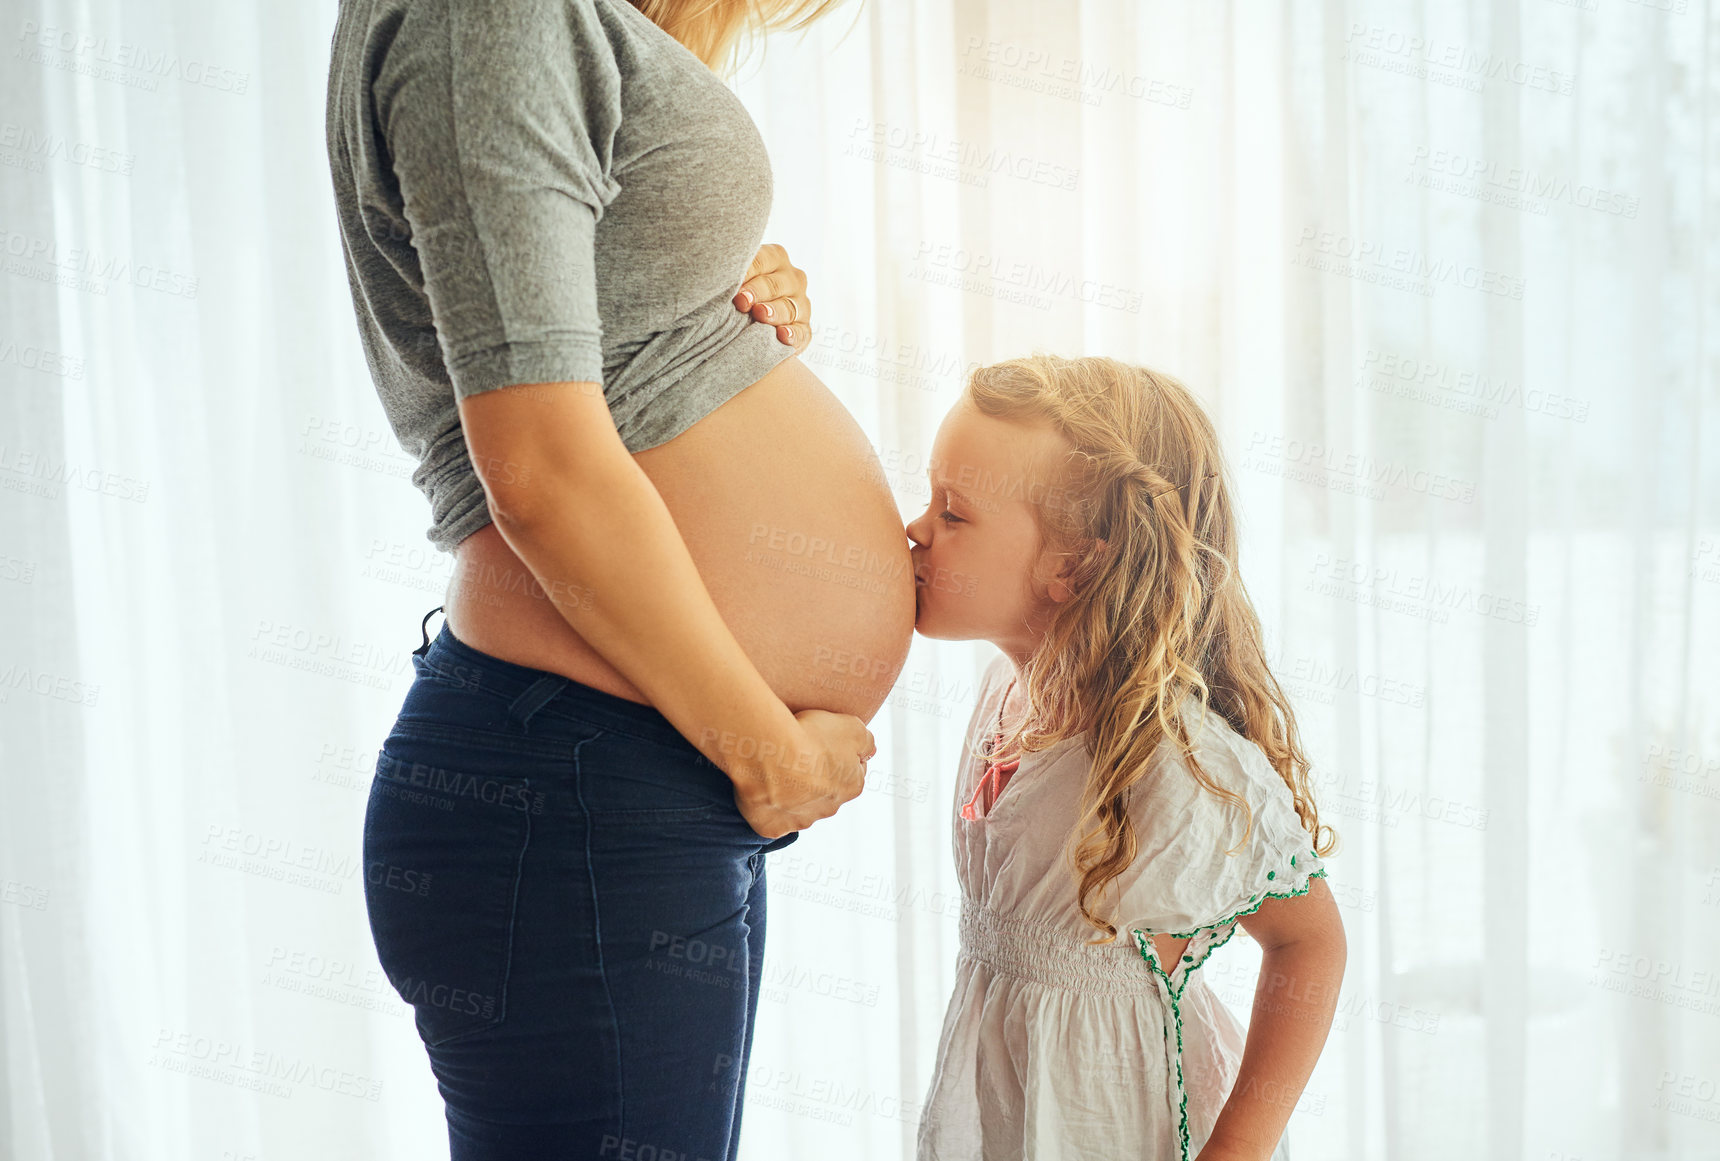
x=1058 y=590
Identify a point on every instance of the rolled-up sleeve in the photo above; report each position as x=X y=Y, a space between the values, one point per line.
x=500 y=120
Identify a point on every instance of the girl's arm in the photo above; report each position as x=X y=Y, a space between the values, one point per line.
x=1301 y=970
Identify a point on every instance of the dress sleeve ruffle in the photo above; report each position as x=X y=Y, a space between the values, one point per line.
x=1183 y=883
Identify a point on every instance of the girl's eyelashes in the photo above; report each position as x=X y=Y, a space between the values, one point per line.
x=949 y=517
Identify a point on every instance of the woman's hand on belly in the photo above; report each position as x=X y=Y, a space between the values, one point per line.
x=774 y=291
x=793 y=792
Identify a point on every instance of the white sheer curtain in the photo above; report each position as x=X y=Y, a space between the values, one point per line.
x=1442 y=274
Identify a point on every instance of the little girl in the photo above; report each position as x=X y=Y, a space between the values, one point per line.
x=1132 y=764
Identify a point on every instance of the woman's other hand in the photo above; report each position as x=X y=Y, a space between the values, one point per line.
x=825 y=768
x=774 y=291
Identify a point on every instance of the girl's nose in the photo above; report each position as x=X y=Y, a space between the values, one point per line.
x=919 y=541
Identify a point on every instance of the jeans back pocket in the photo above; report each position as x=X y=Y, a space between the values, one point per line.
x=442 y=856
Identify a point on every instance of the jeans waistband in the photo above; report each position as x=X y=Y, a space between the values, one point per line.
x=551 y=693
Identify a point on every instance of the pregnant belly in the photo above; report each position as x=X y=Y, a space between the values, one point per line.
x=783 y=506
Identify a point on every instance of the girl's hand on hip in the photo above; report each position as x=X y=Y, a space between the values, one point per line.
x=774 y=291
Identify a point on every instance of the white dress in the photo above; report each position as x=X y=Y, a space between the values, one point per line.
x=1052 y=1051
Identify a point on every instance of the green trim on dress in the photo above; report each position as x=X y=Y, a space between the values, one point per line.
x=1174 y=993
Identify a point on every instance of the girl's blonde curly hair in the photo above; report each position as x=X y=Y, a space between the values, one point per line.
x=1158 y=611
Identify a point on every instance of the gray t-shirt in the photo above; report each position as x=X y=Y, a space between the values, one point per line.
x=540 y=191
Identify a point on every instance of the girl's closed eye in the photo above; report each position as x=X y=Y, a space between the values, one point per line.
x=949 y=517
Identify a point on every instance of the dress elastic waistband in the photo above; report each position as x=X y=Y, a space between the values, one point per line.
x=1047 y=956
x=561 y=695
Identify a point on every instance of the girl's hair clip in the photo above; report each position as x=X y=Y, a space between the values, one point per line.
x=1180 y=487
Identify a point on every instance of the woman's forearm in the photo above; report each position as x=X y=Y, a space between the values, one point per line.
x=577 y=509
x=624 y=579
x=1294 y=1002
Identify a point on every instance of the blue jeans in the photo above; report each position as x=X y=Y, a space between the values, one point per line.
x=562 y=887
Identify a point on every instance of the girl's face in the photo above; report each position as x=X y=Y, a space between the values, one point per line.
x=978 y=570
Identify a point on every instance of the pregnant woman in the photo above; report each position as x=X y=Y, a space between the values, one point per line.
x=681 y=587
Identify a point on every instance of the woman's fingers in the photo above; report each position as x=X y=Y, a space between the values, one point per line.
x=774 y=291
x=785 y=311
x=797 y=335
x=772 y=286
x=771 y=276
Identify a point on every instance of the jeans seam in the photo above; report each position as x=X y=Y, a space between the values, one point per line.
x=608 y=728
x=514 y=912
x=516 y=745
x=597 y=939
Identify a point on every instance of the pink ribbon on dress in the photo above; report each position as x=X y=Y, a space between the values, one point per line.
x=996 y=777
